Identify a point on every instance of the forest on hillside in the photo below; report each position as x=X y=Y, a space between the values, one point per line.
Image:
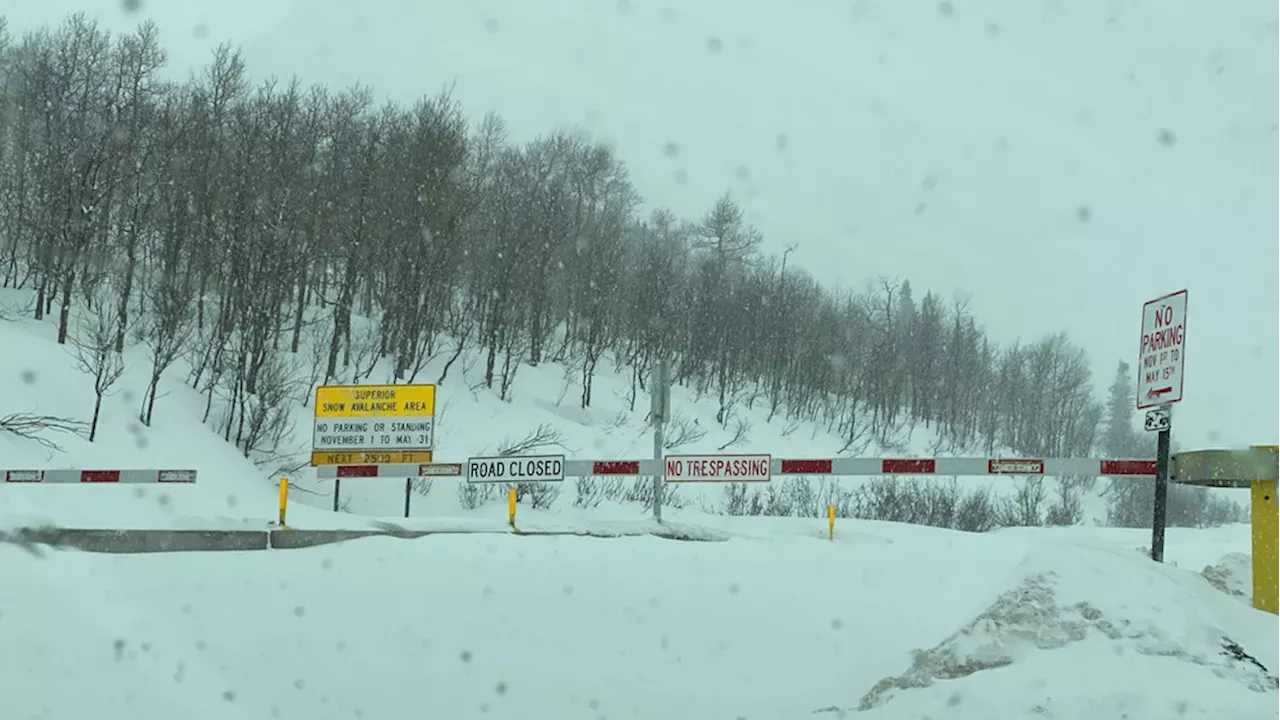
x=230 y=223
x=276 y=236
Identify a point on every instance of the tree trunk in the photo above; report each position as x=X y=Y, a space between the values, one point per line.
x=64 y=312
x=97 y=409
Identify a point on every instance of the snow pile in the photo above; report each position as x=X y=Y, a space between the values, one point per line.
x=1233 y=575
x=1063 y=614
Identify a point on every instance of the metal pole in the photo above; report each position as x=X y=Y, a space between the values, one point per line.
x=408 y=486
x=337 y=486
x=659 y=412
x=1160 y=509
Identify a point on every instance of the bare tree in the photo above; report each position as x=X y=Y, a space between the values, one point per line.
x=165 y=333
x=94 y=344
x=269 y=412
x=365 y=351
x=460 y=324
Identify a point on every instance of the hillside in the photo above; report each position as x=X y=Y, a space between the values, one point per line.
x=189 y=431
x=973 y=150
x=235 y=245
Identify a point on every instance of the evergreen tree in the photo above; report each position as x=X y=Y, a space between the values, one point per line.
x=1120 y=439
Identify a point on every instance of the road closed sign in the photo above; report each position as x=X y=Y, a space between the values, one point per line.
x=516 y=469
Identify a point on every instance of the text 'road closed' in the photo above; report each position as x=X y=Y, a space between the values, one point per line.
x=531 y=468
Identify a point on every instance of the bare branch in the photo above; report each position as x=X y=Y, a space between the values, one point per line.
x=34 y=427
x=682 y=431
x=544 y=436
x=740 y=429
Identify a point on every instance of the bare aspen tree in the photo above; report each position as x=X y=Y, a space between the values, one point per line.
x=165 y=333
x=355 y=162
x=728 y=243
x=145 y=136
x=599 y=203
x=511 y=210
x=460 y=325
x=95 y=354
x=268 y=413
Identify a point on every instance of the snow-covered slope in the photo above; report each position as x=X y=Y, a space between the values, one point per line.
x=41 y=377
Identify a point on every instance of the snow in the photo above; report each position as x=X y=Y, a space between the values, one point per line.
x=848 y=134
x=775 y=622
x=763 y=618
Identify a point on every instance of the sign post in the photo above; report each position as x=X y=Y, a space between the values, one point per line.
x=659 y=410
x=1161 y=361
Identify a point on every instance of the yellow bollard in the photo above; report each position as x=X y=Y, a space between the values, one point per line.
x=284 y=498
x=1264 y=523
x=831 y=522
x=511 y=507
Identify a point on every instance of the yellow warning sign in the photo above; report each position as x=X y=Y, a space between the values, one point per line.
x=373 y=424
x=342 y=401
x=393 y=457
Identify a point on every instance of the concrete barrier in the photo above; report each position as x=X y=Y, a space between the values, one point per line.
x=167 y=541
x=139 y=541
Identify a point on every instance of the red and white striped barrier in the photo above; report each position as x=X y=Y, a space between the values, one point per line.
x=854 y=467
x=98 y=476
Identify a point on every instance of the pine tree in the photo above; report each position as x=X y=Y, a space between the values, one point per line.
x=1120 y=439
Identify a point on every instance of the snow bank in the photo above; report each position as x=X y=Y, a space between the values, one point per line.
x=1093 y=631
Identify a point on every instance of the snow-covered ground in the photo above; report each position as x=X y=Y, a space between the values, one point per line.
x=775 y=622
x=770 y=621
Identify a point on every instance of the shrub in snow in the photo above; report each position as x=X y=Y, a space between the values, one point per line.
x=589 y=492
x=932 y=502
x=1129 y=503
x=474 y=495
x=540 y=495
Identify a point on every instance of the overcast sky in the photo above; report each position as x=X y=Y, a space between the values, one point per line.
x=1057 y=162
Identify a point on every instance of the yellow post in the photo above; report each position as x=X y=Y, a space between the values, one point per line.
x=511 y=507
x=284 y=498
x=1265 y=524
x=831 y=522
